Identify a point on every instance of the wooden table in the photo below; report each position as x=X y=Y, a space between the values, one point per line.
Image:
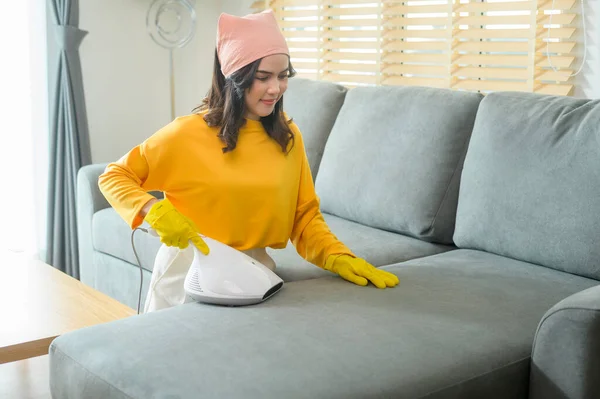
x=39 y=303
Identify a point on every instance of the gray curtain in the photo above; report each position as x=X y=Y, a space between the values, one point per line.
x=69 y=139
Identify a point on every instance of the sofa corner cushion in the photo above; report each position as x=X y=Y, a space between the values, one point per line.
x=314 y=107
x=394 y=156
x=529 y=187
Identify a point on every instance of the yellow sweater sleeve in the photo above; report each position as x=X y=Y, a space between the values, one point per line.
x=126 y=182
x=311 y=236
x=121 y=184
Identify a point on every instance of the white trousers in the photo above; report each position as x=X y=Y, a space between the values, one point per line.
x=168 y=275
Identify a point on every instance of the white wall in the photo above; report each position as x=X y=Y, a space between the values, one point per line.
x=126 y=74
x=237 y=7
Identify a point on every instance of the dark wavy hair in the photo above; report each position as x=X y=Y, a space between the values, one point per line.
x=226 y=107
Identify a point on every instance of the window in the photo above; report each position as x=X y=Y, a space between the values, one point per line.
x=474 y=45
x=24 y=120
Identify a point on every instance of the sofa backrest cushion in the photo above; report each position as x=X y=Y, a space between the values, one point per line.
x=314 y=106
x=531 y=182
x=394 y=156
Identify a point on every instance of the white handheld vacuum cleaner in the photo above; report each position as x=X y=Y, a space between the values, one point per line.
x=225 y=276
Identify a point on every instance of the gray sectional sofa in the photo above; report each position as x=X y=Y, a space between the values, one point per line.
x=487 y=208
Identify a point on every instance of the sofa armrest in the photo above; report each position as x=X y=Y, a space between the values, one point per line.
x=565 y=361
x=88 y=192
x=89 y=201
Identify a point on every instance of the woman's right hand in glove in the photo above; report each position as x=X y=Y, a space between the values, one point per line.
x=173 y=228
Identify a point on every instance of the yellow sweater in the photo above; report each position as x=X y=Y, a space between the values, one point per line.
x=252 y=197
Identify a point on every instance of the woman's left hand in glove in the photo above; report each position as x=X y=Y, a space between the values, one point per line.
x=360 y=272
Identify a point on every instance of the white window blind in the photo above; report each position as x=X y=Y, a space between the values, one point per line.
x=474 y=45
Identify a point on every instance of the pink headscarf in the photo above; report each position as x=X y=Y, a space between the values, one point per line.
x=243 y=40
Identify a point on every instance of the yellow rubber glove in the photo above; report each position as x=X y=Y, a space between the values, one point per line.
x=173 y=228
x=359 y=271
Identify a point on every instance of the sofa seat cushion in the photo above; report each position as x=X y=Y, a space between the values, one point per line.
x=460 y=324
x=379 y=247
x=112 y=236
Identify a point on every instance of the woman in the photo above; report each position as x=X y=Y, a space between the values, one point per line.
x=234 y=170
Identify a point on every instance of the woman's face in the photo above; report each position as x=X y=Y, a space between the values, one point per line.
x=270 y=82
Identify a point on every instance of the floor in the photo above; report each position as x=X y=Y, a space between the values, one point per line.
x=25 y=379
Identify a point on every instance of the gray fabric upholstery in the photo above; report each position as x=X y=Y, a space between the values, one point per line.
x=120 y=280
x=530 y=182
x=314 y=106
x=394 y=157
x=112 y=236
x=459 y=325
x=566 y=352
x=378 y=247
x=89 y=201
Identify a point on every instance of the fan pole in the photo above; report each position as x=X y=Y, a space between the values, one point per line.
x=172 y=80
x=168 y=36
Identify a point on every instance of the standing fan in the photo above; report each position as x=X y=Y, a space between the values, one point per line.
x=171 y=24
